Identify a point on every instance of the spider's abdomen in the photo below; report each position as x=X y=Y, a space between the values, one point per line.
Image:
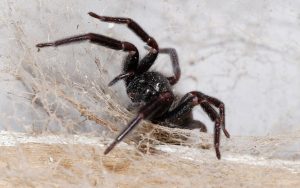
x=146 y=86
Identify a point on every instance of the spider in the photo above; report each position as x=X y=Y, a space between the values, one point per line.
x=150 y=89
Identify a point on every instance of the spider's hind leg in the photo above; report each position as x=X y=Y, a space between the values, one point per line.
x=183 y=110
x=191 y=123
x=182 y=119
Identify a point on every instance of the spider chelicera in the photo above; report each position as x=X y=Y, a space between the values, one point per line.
x=152 y=89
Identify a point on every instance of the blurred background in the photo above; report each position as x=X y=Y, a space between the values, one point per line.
x=244 y=53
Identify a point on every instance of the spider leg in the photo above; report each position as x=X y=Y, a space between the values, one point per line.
x=219 y=119
x=94 y=38
x=131 y=61
x=156 y=106
x=149 y=59
x=120 y=77
x=132 y=25
x=123 y=134
x=214 y=116
x=195 y=124
x=218 y=104
x=192 y=99
x=175 y=64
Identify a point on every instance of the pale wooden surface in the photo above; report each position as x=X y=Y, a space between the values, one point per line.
x=68 y=162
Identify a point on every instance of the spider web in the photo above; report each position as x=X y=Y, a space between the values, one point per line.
x=57 y=113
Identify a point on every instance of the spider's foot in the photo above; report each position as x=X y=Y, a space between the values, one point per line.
x=120 y=77
x=115 y=80
x=95 y=15
x=224 y=130
x=110 y=147
x=226 y=133
x=218 y=154
x=41 y=45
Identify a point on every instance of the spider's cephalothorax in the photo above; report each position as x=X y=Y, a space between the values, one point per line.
x=152 y=88
x=147 y=86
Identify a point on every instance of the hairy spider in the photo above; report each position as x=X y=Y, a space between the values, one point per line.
x=152 y=88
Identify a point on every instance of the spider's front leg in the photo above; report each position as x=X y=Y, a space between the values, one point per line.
x=175 y=63
x=131 y=61
x=192 y=99
x=149 y=59
x=154 y=107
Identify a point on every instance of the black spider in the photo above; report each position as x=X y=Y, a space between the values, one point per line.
x=152 y=88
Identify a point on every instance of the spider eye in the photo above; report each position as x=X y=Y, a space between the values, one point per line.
x=148 y=92
x=157 y=86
